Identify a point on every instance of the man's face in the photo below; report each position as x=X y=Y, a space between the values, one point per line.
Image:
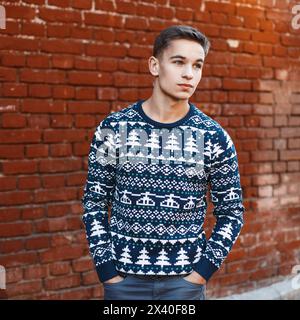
x=174 y=70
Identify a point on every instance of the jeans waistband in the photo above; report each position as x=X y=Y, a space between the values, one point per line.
x=152 y=277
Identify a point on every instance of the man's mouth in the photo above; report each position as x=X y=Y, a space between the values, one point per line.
x=185 y=85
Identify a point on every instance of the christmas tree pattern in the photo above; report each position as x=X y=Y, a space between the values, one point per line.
x=162 y=259
x=143 y=258
x=125 y=256
x=158 y=195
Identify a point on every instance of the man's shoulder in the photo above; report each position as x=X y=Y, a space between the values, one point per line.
x=216 y=131
x=209 y=122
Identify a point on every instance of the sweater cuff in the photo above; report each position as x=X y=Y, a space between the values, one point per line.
x=106 y=271
x=205 y=268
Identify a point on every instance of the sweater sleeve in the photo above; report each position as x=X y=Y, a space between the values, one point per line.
x=98 y=193
x=226 y=196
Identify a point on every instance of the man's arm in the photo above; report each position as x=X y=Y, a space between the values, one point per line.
x=98 y=194
x=226 y=195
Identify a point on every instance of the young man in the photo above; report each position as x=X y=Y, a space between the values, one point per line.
x=154 y=162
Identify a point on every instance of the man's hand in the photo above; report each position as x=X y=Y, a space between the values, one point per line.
x=195 y=277
x=114 y=279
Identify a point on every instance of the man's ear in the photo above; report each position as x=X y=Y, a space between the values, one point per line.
x=153 y=64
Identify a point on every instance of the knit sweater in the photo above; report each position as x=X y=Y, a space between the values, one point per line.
x=155 y=178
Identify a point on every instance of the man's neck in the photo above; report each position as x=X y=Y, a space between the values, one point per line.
x=165 y=111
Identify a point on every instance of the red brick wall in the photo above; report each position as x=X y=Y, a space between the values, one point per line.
x=65 y=65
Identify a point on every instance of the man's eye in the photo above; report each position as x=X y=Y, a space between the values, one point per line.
x=178 y=61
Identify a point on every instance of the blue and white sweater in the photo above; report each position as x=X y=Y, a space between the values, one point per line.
x=155 y=176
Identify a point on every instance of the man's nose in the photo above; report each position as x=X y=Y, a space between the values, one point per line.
x=188 y=72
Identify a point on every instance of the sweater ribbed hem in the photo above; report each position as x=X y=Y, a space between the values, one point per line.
x=205 y=268
x=106 y=271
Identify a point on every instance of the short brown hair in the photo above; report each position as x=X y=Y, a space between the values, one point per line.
x=165 y=37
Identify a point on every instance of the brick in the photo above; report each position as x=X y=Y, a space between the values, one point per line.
x=13 y=121
x=82 y=265
x=58 y=210
x=37 y=61
x=259 y=156
x=13 y=60
x=54 y=15
x=59 y=240
x=35 y=272
x=76 y=179
x=227 y=8
x=14 y=167
x=59 y=31
x=60 y=268
x=61 y=253
x=15 y=229
x=89 y=278
x=266 y=179
x=233 y=33
x=126 y=7
x=90 y=63
x=44 y=106
x=62 y=121
x=25 y=288
x=236 y=109
x=62 y=46
x=31 y=182
x=38 y=243
x=14 y=90
x=82 y=4
x=146 y=10
x=10 y=246
x=33 y=29
x=9 y=214
x=106 y=51
x=84 y=122
x=59 y=3
x=18 y=44
x=290 y=155
x=248 y=11
x=63 y=92
x=26 y=136
x=64 y=136
x=62 y=165
x=104 y=19
x=7 y=74
x=53 y=181
x=61 y=150
x=19 y=259
x=33 y=213
x=84 y=107
x=23 y=12
x=14 y=275
x=37 y=151
x=248 y=60
x=91 y=78
x=62 y=282
x=63 y=62
x=60 y=194
x=50 y=76
x=39 y=91
x=236 y=84
x=8 y=183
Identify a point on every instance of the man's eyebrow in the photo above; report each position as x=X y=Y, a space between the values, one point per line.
x=181 y=57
